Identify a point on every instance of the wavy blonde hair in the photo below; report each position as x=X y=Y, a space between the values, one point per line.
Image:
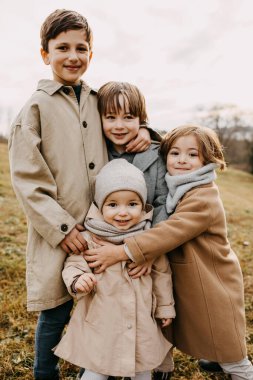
x=208 y=141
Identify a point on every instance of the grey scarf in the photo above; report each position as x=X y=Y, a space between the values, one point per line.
x=112 y=234
x=178 y=185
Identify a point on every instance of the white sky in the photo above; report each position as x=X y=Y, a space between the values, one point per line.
x=180 y=53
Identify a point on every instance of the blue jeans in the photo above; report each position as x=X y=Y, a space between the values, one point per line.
x=48 y=334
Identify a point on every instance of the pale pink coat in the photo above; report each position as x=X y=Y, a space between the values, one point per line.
x=114 y=330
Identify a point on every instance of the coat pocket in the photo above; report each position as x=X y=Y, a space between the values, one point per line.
x=180 y=255
x=91 y=315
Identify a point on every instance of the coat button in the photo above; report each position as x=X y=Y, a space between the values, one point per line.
x=129 y=326
x=64 y=227
x=66 y=90
x=91 y=165
x=84 y=124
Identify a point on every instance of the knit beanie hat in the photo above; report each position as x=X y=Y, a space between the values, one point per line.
x=117 y=175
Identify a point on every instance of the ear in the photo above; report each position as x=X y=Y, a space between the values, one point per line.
x=91 y=55
x=45 y=56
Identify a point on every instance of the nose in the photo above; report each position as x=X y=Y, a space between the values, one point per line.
x=73 y=55
x=123 y=211
x=119 y=123
x=182 y=158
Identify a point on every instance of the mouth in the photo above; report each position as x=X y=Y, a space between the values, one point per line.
x=119 y=135
x=72 y=68
x=122 y=222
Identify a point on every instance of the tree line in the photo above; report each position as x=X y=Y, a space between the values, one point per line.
x=234 y=127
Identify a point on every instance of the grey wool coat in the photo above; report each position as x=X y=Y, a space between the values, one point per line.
x=56 y=149
x=154 y=170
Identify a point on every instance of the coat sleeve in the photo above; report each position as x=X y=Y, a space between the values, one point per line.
x=191 y=218
x=74 y=266
x=162 y=288
x=154 y=135
x=32 y=180
x=161 y=191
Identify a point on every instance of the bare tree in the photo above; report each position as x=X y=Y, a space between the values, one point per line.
x=234 y=127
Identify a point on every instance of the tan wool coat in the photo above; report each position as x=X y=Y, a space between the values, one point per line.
x=207 y=278
x=56 y=150
x=113 y=330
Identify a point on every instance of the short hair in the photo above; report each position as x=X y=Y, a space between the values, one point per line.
x=108 y=100
x=208 y=141
x=62 y=20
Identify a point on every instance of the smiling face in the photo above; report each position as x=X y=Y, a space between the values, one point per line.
x=184 y=156
x=68 y=55
x=120 y=127
x=122 y=209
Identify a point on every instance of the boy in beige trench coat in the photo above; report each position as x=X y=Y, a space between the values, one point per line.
x=113 y=330
x=56 y=149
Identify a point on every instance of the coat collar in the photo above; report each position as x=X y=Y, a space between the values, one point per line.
x=51 y=86
x=145 y=159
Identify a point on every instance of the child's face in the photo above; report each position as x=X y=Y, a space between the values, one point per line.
x=122 y=209
x=120 y=128
x=184 y=156
x=69 y=56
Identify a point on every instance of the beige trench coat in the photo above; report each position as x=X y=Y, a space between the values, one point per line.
x=207 y=278
x=113 y=330
x=56 y=150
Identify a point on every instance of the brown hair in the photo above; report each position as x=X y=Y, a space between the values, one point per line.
x=208 y=141
x=62 y=20
x=108 y=100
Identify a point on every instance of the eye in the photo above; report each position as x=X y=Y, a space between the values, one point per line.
x=112 y=204
x=133 y=204
x=109 y=117
x=173 y=153
x=194 y=154
x=129 y=117
x=83 y=49
x=62 y=48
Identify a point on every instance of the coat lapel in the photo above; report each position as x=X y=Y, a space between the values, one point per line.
x=145 y=159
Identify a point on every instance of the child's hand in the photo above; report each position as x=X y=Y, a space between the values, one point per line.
x=166 y=322
x=104 y=256
x=136 y=271
x=85 y=283
x=140 y=143
x=74 y=241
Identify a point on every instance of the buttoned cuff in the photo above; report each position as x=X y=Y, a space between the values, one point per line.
x=134 y=250
x=165 y=312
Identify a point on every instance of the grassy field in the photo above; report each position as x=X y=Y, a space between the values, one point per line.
x=17 y=326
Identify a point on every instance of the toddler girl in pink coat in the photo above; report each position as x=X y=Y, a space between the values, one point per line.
x=115 y=328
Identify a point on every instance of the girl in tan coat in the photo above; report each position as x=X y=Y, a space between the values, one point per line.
x=113 y=330
x=207 y=278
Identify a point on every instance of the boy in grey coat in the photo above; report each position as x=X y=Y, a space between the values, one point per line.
x=122 y=110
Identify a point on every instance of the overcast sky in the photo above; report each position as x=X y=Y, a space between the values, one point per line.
x=181 y=53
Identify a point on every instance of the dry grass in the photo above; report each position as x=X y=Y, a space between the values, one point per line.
x=17 y=326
